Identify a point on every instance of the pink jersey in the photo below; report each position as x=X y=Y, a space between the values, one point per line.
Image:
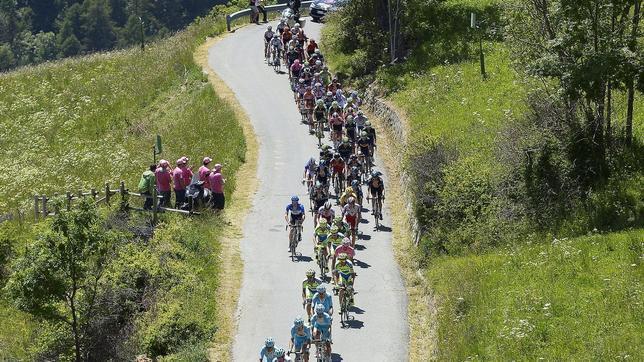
x=347 y=249
x=177 y=178
x=216 y=181
x=187 y=176
x=203 y=176
x=164 y=178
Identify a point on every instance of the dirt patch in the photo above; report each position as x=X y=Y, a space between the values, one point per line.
x=235 y=215
x=421 y=309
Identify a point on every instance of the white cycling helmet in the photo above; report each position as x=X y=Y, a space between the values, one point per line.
x=328 y=205
x=319 y=309
x=270 y=28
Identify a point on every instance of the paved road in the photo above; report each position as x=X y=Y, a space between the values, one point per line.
x=270 y=295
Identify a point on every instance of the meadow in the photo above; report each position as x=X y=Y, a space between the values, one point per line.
x=81 y=122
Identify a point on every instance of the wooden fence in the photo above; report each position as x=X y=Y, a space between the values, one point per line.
x=43 y=208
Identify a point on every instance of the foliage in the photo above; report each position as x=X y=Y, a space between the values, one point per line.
x=28 y=28
x=58 y=277
x=567 y=299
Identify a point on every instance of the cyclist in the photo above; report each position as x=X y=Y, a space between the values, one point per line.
x=287 y=35
x=345 y=149
x=352 y=214
x=325 y=76
x=300 y=338
x=319 y=54
x=321 y=324
x=344 y=274
x=343 y=227
x=371 y=133
x=364 y=146
x=309 y=172
x=309 y=288
x=348 y=193
x=335 y=108
x=318 y=91
x=355 y=184
x=350 y=126
x=267 y=353
x=280 y=355
x=319 y=112
x=321 y=235
x=334 y=239
x=268 y=36
x=276 y=48
x=356 y=99
x=337 y=168
x=322 y=173
x=296 y=212
x=319 y=196
x=322 y=298
x=336 y=124
x=309 y=104
x=281 y=26
x=325 y=213
x=307 y=75
x=326 y=153
x=295 y=66
x=376 y=189
x=360 y=120
x=344 y=248
x=328 y=99
x=310 y=49
x=334 y=85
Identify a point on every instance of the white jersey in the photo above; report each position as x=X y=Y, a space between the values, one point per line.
x=352 y=210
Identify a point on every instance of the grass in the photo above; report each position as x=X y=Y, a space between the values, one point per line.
x=574 y=299
x=93 y=120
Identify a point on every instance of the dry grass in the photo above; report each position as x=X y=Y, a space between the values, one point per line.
x=246 y=186
x=421 y=309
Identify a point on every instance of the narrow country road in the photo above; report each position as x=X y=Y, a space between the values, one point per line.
x=270 y=297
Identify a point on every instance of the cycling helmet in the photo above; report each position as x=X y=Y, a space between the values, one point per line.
x=335 y=114
x=354 y=183
x=269 y=342
x=349 y=188
x=298 y=322
x=363 y=133
x=354 y=156
x=164 y=163
x=279 y=352
x=296 y=61
x=318 y=62
x=325 y=67
x=301 y=80
x=270 y=28
x=335 y=229
x=349 y=118
x=329 y=94
x=320 y=289
x=317 y=51
x=308 y=88
x=294 y=198
x=351 y=200
x=334 y=104
x=336 y=155
x=319 y=309
x=318 y=184
x=310 y=272
x=291 y=49
x=375 y=173
x=367 y=124
x=328 y=205
x=319 y=102
x=337 y=219
x=350 y=99
x=316 y=74
x=318 y=84
x=360 y=112
x=346 y=241
x=312 y=161
x=275 y=36
x=342 y=256
x=322 y=162
x=297 y=25
x=345 y=139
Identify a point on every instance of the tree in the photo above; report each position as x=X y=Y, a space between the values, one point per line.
x=45 y=47
x=70 y=46
x=7 y=60
x=97 y=25
x=58 y=277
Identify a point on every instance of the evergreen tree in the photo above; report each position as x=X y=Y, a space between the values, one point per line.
x=97 y=25
x=70 y=47
x=8 y=25
x=44 y=47
x=7 y=59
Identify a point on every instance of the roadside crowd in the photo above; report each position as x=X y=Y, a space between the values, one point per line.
x=165 y=179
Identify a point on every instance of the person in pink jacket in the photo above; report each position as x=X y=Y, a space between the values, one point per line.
x=163 y=176
x=217 y=181
x=204 y=172
x=179 y=184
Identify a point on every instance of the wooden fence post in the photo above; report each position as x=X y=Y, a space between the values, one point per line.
x=93 y=191
x=155 y=205
x=122 y=190
x=107 y=193
x=80 y=194
x=36 y=213
x=69 y=201
x=45 y=213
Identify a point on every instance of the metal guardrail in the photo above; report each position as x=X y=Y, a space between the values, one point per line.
x=269 y=9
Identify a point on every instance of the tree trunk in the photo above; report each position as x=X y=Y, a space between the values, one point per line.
x=609 y=112
x=630 y=85
x=72 y=307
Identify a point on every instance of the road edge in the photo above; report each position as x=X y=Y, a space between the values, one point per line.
x=232 y=265
x=421 y=306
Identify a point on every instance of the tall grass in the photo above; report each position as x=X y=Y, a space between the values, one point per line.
x=571 y=299
x=81 y=122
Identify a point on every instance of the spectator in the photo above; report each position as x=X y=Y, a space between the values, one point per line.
x=204 y=171
x=260 y=8
x=146 y=186
x=254 y=16
x=164 y=179
x=187 y=171
x=179 y=184
x=217 y=182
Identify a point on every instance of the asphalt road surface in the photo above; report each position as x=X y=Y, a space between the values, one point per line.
x=270 y=297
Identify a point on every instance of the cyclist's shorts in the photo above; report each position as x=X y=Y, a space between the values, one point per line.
x=345 y=278
x=297 y=217
x=376 y=191
x=337 y=127
x=352 y=220
x=365 y=151
x=299 y=341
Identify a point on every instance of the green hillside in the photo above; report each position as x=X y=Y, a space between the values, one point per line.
x=494 y=183
x=80 y=123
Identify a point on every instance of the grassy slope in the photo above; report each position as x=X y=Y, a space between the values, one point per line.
x=575 y=299
x=82 y=122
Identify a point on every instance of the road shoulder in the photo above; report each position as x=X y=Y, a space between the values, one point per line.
x=231 y=262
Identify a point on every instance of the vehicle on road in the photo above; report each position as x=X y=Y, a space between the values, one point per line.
x=319 y=8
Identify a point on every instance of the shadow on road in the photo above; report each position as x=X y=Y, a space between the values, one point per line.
x=357 y=310
x=385 y=229
x=354 y=324
x=360 y=247
x=361 y=264
x=336 y=357
x=364 y=237
x=303 y=258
